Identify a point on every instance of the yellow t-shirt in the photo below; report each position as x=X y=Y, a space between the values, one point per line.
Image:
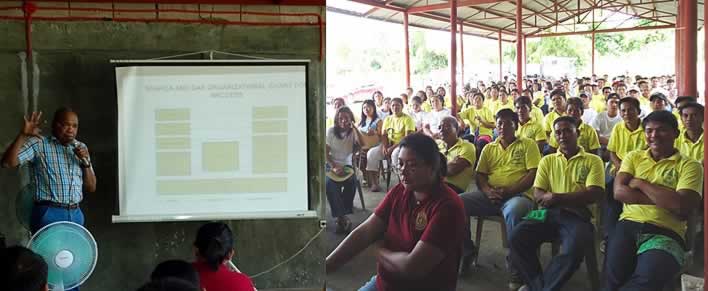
x=396 y=127
x=539 y=96
x=468 y=117
x=689 y=148
x=587 y=139
x=549 y=119
x=532 y=129
x=499 y=106
x=425 y=106
x=598 y=103
x=486 y=115
x=623 y=141
x=329 y=122
x=537 y=115
x=681 y=127
x=506 y=167
x=676 y=172
x=467 y=151
x=557 y=174
x=644 y=102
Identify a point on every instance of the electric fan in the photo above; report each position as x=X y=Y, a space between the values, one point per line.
x=70 y=252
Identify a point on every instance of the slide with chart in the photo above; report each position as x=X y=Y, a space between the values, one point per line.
x=225 y=140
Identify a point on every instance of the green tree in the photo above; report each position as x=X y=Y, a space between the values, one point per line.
x=550 y=46
x=622 y=43
x=425 y=60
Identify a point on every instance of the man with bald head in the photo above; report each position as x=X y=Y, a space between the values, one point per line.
x=60 y=167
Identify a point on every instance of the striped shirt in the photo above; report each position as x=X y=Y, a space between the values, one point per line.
x=55 y=171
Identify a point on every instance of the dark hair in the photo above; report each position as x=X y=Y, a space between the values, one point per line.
x=416 y=99
x=662 y=116
x=685 y=98
x=575 y=101
x=507 y=113
x=339 y=131
x=214 y=243
x=523 y=100
x=692 y=105
x=374 y=94
x=607 y=88
x=169 y=284
x=441 y=98
x=660 y=96
x=59 y=113
x=558 y=92
x=175 y=269
x=569 y=119
x=24 y=270
x=478 y=94
x=613 y=96
x=427 y=150
x=399 y=100
x=363 y=115
x=633 y=101
x=454 y=122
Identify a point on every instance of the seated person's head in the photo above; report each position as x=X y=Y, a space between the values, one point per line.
x=658 y=101
x=507 y=121
x=692 y=115
x=169 y=284
x=682 y=100
x=660 y=130
x=420 y=162
x=566 y=132
x=214 y=244
x=175 y=269
x=24 y=270
x=575 y=107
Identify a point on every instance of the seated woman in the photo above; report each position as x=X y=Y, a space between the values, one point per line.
x=369 y=126
x=214 y=248
x=421 y=222
x=340 y=180
x=394 y=128
x=432 y=121
x=417 y=112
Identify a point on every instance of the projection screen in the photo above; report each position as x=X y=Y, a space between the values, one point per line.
x=201 y=140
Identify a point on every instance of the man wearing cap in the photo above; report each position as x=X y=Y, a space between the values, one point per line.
x=60 y=167
x=658 y=101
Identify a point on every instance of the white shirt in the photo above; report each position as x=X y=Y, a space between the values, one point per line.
x=419 y=118
x=434 y=119
x=340 y=149
x=604 y=124
x=588 y=115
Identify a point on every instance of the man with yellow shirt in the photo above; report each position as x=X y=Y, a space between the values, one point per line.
x=659 y=188
x=461 y=156
x=626 y=136
x=587 y=135
x=529 y=127
x=505 y=173
x=680 y=102
x=480 y=121
x=558 y=102
x=690 y=141
x=394 y=128
x=566 y=183
x=503 y=102
x=599 y=101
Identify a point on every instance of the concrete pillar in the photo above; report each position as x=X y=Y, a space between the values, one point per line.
x=453 y=55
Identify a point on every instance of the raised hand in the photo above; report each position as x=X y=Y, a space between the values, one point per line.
x=32 y=124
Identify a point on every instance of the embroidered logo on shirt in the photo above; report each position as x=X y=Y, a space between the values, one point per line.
x=669 y=177
x=583 y=173
x=421 y=220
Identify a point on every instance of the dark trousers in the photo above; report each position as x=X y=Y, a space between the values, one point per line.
x=575 y=234
x=340 y=196
x=613 y=208
x=627 y=271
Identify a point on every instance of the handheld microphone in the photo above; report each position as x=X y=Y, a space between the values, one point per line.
x=84 y=161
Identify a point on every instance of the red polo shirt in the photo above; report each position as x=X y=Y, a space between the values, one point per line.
x=439 y=220
x=222 y=279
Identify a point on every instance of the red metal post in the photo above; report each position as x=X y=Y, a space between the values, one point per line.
x=677 y=45
x=407 y=51
x=500 y=56
x=593 y=54
x=462 y=55
x=687 y=56
x=453 y=55
x=519 y=46
x=526 y=61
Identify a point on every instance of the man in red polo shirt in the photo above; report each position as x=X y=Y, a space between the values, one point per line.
x=421 y=221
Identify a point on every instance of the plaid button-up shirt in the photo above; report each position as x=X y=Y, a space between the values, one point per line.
x=55 y=170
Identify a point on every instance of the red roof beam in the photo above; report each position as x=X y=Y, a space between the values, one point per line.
x=379 y=5
x=441 y=6
x=466 y=23
x=214 y=2
x=603 y=31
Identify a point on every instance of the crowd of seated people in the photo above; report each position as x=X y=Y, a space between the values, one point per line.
x=24 y=270
x=542 y=157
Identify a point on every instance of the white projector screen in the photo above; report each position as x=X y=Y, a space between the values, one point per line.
x=212 y=140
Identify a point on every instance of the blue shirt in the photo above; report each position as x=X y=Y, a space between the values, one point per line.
x=55 y=171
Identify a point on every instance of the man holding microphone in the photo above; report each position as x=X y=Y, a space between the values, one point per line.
x=60 y=167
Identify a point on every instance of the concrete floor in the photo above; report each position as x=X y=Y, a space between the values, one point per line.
x=489 y=275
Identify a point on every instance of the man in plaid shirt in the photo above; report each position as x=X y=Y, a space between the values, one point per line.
x=60 y=167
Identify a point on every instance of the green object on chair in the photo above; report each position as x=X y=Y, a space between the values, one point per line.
x=537 y=215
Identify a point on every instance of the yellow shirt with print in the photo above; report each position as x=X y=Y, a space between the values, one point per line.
x=425 y=106
x=688 y=148
x=539 y=96
x=623 y=141
x=395 y=127
x=677 y=172
x=549 y=119
x=499 y=106
x=598 y=103
x=486 y=115
x=448 y=102
x=506 y=167
x=489 y=103
x=467 y=151
x=558 y=175
x=587 y=139
x=532 y=130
